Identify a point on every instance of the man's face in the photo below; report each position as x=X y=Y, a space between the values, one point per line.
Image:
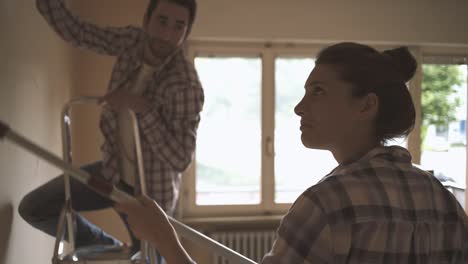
x=166 y=28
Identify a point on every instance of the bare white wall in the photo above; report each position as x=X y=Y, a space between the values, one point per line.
x=400 y=21
x=34 y=83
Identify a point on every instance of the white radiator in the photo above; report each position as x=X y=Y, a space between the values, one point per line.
x=252 y=244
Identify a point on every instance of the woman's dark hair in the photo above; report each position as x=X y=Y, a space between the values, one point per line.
x=191 y=6
x=383 y=73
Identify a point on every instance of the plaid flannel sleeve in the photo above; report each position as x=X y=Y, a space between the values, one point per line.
x=104 y=40
x=303 y=235
x=171 y=132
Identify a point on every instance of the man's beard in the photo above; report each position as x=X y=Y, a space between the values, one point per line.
x=159 y=49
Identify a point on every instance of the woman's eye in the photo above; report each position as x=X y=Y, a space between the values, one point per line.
x=317 y=90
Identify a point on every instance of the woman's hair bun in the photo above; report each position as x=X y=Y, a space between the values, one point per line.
x=405 y=64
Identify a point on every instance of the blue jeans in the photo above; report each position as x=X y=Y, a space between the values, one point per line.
x=41 y=208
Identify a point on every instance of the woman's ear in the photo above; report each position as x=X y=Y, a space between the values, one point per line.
x=369 y=106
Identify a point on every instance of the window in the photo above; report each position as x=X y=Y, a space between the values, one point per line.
x=249 y=158
x=249 y=132
x=229 y=138
x=444 y=112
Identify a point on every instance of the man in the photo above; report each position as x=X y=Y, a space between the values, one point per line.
x=152 y=78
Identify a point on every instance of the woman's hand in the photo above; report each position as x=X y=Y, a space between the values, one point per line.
x=146 y=219
x=149 y=222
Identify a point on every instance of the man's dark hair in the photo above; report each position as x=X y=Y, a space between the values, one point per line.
x=191 y=6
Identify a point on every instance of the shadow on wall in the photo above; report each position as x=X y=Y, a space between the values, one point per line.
x=6 y=219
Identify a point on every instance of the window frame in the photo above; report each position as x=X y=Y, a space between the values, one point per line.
x=268 y=52
x=445 y=56
x=429 y=55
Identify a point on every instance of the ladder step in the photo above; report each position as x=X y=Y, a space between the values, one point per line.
x=101 y=254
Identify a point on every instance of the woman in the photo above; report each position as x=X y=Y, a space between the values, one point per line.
x=375 y=207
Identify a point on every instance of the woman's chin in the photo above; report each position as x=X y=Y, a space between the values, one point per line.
x=307 y=142
x=311 y=143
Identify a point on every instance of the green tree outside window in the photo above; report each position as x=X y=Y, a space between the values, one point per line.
x=438 y=100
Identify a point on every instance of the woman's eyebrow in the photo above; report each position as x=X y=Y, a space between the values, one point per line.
x=314 y=83
x=317 y=82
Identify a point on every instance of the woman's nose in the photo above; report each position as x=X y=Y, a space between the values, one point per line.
x=298 y=109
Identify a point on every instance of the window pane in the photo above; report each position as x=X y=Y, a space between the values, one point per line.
x=296 y=167
x=443 y=130
x=228 y=144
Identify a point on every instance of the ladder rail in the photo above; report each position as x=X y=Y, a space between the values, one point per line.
x=65 y=126
x=67 y=156
x=146 y=249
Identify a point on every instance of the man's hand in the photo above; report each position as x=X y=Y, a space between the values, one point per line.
x=120 y=100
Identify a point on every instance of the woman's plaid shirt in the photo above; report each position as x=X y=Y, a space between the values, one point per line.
x=168 y=129
x=380 y=209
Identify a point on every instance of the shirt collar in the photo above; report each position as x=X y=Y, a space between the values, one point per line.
x=394 y=154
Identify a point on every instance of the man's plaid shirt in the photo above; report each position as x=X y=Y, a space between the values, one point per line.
x=380 y=209
x=168 y=129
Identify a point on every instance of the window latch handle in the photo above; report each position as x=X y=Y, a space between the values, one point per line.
x=270 y=148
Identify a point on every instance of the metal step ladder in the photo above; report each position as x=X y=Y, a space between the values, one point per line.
x=98 y=254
